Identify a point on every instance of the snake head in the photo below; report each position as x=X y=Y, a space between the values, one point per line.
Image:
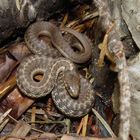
x=72 y=83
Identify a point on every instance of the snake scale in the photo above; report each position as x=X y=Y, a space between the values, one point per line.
x=54 y=71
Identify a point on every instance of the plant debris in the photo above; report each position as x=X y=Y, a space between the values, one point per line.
x=108 y=71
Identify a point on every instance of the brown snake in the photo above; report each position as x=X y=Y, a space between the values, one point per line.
x=54 y=78
x=48 y=67
x=48 y=29
x=70 y=106
x=53 y=71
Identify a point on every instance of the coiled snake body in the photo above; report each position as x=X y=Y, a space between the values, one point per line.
x=70 y=106
x=48 y=29
x=48 y=67
x=53 y=71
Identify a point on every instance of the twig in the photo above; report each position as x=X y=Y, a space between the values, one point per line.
x=53 y=125
x=37 y=130
x=48 y=122
x=31 y=128
x=33 y=116
x=125 y=108
x=12 y=118
x=104 y=123
x=68 y=124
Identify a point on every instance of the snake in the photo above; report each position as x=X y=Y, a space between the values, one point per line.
x=71 y=92
x=49 y=68
x=44 y=28
x=53 y=71
x=73 y=107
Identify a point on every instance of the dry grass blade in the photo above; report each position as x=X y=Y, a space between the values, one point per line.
x=3 y=124
x=68 y=124
x=83 y=126
x=49 y=122
x=3 y=50
x=83 y=19
x=3 y=119
x=80 y=126
x=80 y=28
x=104 y=123
x=104 y=49
x=84 y=130
x=64 y=20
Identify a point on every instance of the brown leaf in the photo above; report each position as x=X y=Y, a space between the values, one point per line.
x=17 y=102
x=6 y=67
x=19 y=51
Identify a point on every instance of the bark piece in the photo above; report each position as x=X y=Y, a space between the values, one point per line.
x=17 y=102
x=68 y=137
x=20 y=13
x=21 y=129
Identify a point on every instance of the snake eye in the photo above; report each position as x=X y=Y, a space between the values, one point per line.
x=70 y=90
x=67 y=88
x=72 y=85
